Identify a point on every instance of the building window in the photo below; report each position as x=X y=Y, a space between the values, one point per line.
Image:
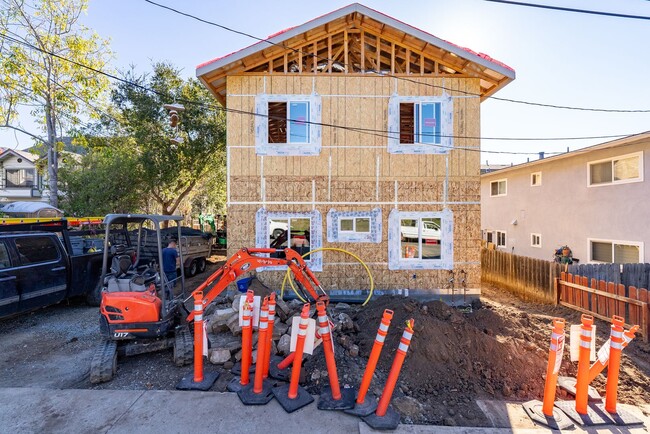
x=499 y=188
x=420 y=125
x=536 y=179
x=20 y=178
x=420 y=240
x=501 y=239
x=287 y=125
x=618 y=170
x=618 y=252
x=489 y=237
x=536 y=240
x=300 y=231
x=354 y=226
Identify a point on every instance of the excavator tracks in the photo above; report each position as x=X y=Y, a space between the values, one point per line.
x=104 y=362
x=183 y=347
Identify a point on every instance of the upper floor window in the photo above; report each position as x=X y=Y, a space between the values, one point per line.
x=618 y=170
x=287 y=124
x=536 y=240
x=420 y=125
x=536 y=179
x=499 y=188
x=618 y=252
x=20 y=178
x=354 y=226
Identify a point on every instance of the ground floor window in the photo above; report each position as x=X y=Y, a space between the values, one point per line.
x=300 y=231
x=354 y=226
x=501 y=239
x=618 y=252
x=420 y=240
x=488 y=236
x=536 y=240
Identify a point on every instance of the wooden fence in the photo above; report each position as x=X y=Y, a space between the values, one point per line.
x=605 y=299
x=532 y=279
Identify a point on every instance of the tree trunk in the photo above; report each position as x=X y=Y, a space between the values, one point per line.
x=52 y=157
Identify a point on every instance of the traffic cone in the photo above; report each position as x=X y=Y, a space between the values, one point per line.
x=269 y=345
x=198 y=380
x=363 y=406
x=259 y=393
x=291 y=396
x=332 y=398
x=244 y=370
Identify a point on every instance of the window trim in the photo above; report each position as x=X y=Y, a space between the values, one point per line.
x=532 y=176
x=639 y=155
x=395 y=260
x=335 y=235
x=639 y=244
x=532 y=242
x=25 y=169
x=505 y=236
x=487 y=232
x=505 y=181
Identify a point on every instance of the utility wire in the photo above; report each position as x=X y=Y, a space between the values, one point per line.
x=374 y=132
x=559 y=8
x=304 y=53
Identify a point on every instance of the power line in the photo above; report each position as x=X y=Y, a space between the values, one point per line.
x=295 y=50
x=374 y=132
x=559 y=8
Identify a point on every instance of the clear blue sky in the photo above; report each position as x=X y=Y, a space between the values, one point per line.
x=560 y=58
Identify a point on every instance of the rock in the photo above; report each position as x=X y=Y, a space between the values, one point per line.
x=284 y=345
x=341 y=306
x=279 y=329
x=295 y=305
x=218 y=327
x=315 y=375
x=354 y=351
x=425 y=309
x=219 y=356
x=228 y=365
x=451 y=412
x=345 y=341
x=222 y=315
x=233 y=324
x=345 y=321
x=448 y=421
x=506 y=390
x=235 y=303
x=282 y=309
x=407 y=406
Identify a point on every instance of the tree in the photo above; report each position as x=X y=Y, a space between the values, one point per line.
x=171 y=170
x=36 y=36
x=106 y=180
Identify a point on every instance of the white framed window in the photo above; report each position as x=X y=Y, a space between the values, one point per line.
x=354 y=226
x=499 y=188
x=287 y=124
x=536 y=179
x=536 y=240
x=300 y=231
x=20 y=178
x=420 y=240
x=420 y=125
x=501 y=238
x=489 y=236
x=618 y=252
x=617 y=170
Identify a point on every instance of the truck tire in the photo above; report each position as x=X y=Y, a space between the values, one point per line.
x=276 y=233
x=94 y=296
x=201 y=265
x=104 y=363
x=183 y=347
x=191 y=270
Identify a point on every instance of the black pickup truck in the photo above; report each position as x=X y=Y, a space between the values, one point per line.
x=44 y=263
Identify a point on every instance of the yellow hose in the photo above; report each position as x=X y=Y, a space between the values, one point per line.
x=334 y=249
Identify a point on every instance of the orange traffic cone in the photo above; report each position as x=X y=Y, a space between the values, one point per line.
x=259 y=392
x=244 y=368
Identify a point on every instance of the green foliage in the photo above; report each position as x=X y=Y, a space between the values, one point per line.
x=105 y=181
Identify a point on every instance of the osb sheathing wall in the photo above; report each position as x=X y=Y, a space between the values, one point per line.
x=343 y=172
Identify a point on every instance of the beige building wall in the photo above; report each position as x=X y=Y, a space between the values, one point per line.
x=354 y=171
x=563 y=210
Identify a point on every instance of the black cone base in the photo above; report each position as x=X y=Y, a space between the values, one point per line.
x=388 y=421
x=369 y=406
x=236 y=369
x=235 y=385
x=249 y=397
x=569 y=384
x=559 y=420
x=277 y=373
x=187 y=383
x=621 y=417
x=290 y=405
x=595 y=416
x=327 y=402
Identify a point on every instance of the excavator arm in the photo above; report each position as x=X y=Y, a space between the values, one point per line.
x=245 y=260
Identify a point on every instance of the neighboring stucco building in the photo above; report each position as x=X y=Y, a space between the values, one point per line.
x=595 y=200
x=20 y=178
x=357 y=131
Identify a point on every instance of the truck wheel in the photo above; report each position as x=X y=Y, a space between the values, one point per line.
x=201 y=265
x=183 y=347
x=191 y=270
x=104 y=363
x=94 y=296
x=276 y=233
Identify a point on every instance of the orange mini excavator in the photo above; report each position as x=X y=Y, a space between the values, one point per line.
x=138 y=310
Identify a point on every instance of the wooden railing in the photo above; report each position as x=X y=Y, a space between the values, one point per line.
x=605 y=299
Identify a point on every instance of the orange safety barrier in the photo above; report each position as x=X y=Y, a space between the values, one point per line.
x=198 y=381
x=284 y=364
x=614 y=364
x=332 y=398
x=553 y=368
x=582 y=379
x=601 y=362
x=261 y=345
x=382 y=331
x=269 y=344
x=247 y=338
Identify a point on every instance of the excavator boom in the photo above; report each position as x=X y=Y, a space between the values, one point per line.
x=245 y=260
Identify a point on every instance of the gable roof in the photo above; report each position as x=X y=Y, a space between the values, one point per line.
x=442 y=57
x=5 y=152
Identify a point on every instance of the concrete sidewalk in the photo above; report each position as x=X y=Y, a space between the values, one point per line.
x=31 y=410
